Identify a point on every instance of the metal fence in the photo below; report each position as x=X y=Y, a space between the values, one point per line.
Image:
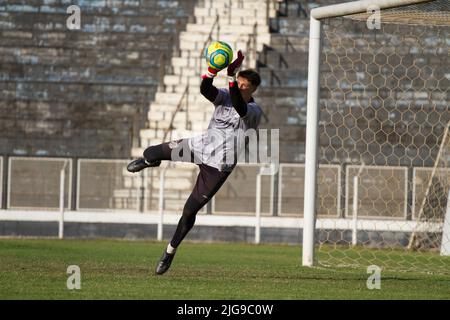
x=34 y=183
x=238 y=194
x=420 y=177
x=291 y=190
x=105 y=185
x=382 y=191
x=167 y=186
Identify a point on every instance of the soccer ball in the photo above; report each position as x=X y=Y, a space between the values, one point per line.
x=218 y=55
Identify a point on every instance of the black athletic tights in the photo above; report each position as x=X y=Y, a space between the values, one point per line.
x=209 y=181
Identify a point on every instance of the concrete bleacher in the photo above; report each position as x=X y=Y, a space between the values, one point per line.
x=91 y=91
x=283 y=66
x=86 y=92
x=182 y=84
x=95 y=93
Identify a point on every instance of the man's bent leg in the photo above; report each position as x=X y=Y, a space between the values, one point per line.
x=153 y=155
x=152 y=158
x=185 y=224
x=187 y=220
x=208 y=183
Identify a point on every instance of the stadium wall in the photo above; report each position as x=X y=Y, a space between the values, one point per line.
x=82 y=93
x=208 y=228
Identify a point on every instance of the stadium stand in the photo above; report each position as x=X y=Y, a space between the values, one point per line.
x=115 y=104
x=82 y=93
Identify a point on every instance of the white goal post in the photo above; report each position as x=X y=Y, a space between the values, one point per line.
x=312 y=121
x=445 y=246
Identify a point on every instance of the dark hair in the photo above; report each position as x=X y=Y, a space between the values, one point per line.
x=251 y=75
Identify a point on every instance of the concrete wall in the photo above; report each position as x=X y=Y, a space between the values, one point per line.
x=84 y=92
x=376 y=239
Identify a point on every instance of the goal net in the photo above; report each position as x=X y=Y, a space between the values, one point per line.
x=383 y=118
x=433 y=202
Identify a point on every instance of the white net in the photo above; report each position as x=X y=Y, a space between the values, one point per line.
x=383 y=117
x=433 y=200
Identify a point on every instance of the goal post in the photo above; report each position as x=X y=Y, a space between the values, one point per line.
x=445 y=243
x=435 y=204
x=371 y=88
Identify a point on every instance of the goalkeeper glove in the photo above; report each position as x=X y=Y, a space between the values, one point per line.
x=211 y=73
x=234 y=66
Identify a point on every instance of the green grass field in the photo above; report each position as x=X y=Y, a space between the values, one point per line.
x=113 y=269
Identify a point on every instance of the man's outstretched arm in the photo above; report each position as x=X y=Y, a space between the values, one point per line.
x=236 y=97
x=208 y=90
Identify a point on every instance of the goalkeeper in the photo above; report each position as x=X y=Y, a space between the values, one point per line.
x=235 y=112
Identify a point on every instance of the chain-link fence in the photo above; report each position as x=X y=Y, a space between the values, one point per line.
x=34 y=183
x=291 y=190
x=377 y=218
x=382 y=192
x=421 y=177
x=106 y=185
x=238 y=194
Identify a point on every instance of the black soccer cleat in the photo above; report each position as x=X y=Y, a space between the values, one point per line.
x=141 y=163
x=164 y=263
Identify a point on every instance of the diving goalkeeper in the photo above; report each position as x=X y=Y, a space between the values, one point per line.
x=235 y=112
